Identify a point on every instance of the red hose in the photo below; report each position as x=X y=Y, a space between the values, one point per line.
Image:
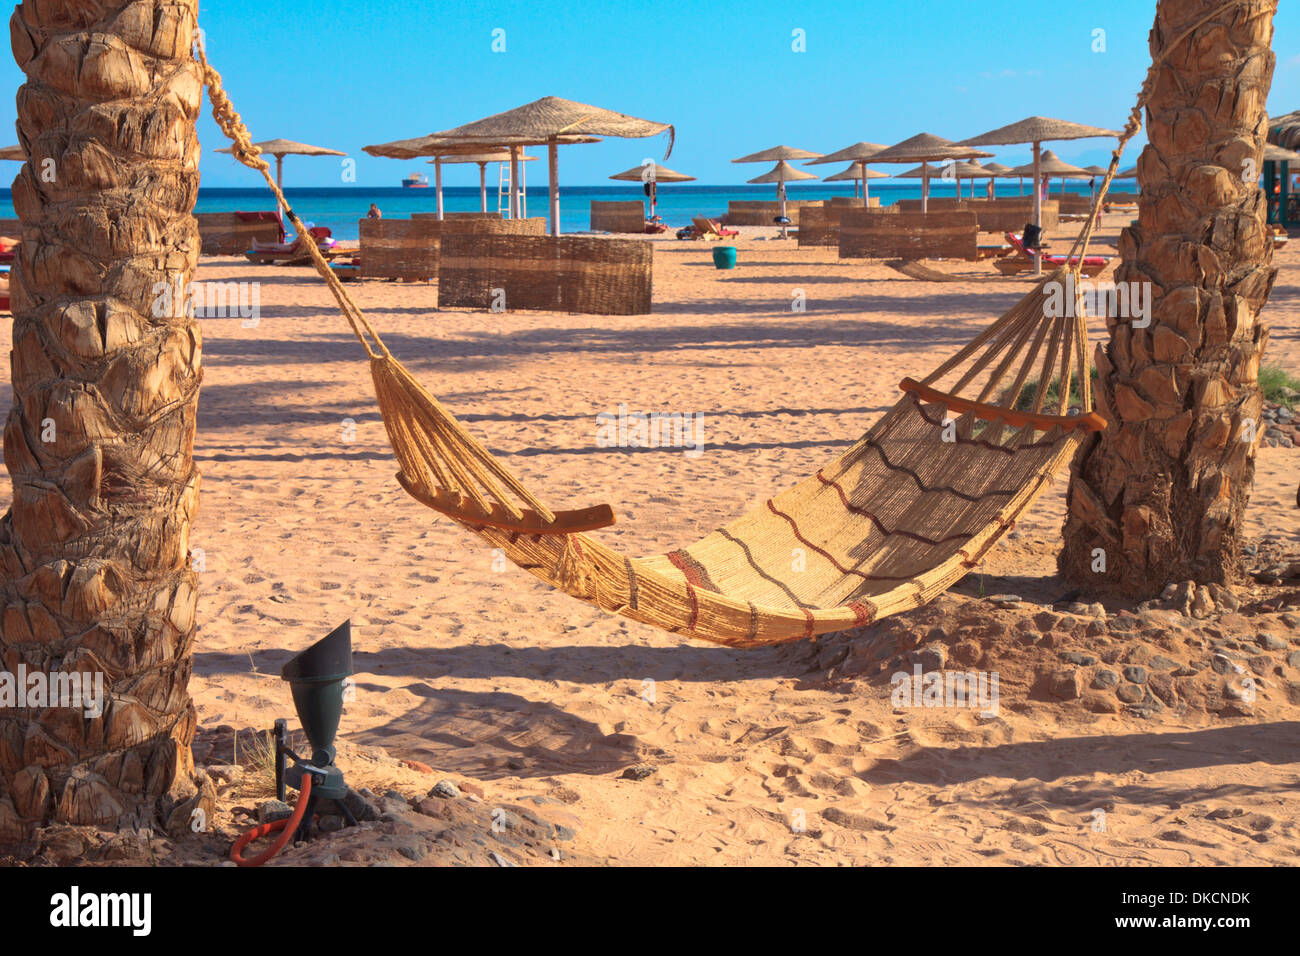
x=289 y=826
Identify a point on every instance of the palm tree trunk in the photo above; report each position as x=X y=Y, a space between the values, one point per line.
x=1159 y=496
x=94 y=563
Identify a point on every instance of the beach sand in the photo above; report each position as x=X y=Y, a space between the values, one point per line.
x=474 y=670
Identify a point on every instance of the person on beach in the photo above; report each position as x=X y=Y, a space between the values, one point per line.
x=374 y=213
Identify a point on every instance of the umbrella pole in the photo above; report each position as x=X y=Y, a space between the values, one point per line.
x=780 y=189
x=552 y=157
x=1038 y=209
x=925 y=188
x=482 y=187
x=514 y=182
x=437 y=183
x=279 y=181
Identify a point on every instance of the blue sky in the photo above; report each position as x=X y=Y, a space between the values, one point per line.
x=344 y=74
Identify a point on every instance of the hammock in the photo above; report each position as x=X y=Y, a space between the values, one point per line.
x=891 y=524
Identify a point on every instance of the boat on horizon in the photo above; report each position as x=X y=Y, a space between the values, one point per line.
x=416 y=181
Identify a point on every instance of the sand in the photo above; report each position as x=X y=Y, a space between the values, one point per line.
x=482 y=673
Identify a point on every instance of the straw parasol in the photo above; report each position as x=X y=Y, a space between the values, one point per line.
x=497 y=156
x=1272 y=154
x=780 y=174
x=550 y=122
x=280 y=148
x=1050 y=166
x=15 y=153
x=651 y=174
x=858 y=174
x=1284 y=130
x=1001 y=171
x=1130 y=173
x=1037 y=130
x=859 y=154
x=926 y=148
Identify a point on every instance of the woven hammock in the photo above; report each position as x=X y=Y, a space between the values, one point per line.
x=891 y=524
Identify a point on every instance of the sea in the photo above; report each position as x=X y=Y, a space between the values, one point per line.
x=340 y=207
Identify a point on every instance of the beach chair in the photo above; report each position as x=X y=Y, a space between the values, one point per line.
x=1023 y=260
x=708 y=229
x=291 y=253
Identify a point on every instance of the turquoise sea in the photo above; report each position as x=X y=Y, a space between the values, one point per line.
x=340 y=207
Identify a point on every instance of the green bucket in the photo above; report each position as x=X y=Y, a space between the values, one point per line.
x=724 y=257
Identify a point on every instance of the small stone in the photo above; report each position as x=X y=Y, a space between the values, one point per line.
x=445 y=789
x=1136 y=674
x=1004 y=600
x=1100 y=704
x=1293 y=659
x=1066 y=683
x=1220 y=664
x=967 y=652
x=1077 y=657
x=1130 y=693
x=1046 y=621
x=360 y=805
x=932 y=657
x=226 y=772
x=1162 y=663
x=500 y=860
x=1104 y=679
x=413 y=849
x=1291 y=620
x=1097 y=610
x=269 y=811
x=639 y=772
x=1271 y=642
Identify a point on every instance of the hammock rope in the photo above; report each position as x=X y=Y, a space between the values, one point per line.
x=903 y=515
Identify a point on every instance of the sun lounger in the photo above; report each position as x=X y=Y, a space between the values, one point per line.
x=291 y=253
x=708 y=229
x=1023 y=260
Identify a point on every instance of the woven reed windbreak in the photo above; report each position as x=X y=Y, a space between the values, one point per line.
x=1122 y=199
x=488 y=225
x=399 y=248
x=873 y=202
x=225 y=234
x=620 y=216
x=867 y=234
x=555 y=274
x=1073 y=205
x=1010 y=215
x=748 y=212
x=820 y=226
x=936 y=204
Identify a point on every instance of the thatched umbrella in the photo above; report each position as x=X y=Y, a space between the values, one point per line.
x=550 y=122
x=280 y=148
x=859 y=154
x=926 y=148
x=972 y=170
x=651 y=174
x=1037 y=130
x=1130 y=173
x=1001 y=171
x=15 y=153
x=1050 y=166
x=1284 y=130
x=497 y=156
x=1272 y=154
x=780 y=174
x=858 y=174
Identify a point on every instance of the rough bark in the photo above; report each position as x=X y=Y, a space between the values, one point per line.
x=94 y=563
x=1162 y=491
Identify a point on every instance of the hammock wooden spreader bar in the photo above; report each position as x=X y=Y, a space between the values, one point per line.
x=900 y=517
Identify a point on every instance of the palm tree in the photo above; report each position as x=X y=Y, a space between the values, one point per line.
x=94 y=561
x=1159 y=497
